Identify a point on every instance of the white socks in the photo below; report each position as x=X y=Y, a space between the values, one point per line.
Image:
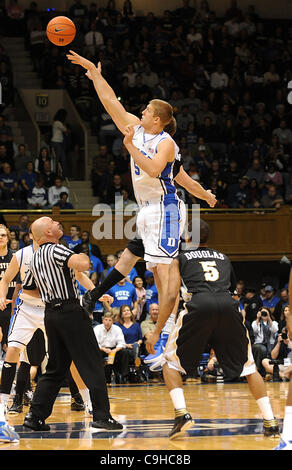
x=265 y=407
x=178 y=399
x=287 y=424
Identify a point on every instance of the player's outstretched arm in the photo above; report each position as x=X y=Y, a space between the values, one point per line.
x=105 y=92
x=194 y=188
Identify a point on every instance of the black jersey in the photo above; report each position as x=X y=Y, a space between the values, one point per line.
x=4 y=262
x=206 y=270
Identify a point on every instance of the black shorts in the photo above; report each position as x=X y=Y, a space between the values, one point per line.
x=36 y=348
x=211 y=319
x=136 y=247
x=5 y=317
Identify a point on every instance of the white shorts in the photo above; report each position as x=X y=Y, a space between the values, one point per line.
x=160 y=226
x=27 y=319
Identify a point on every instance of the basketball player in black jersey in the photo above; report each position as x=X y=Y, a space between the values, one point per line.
x=14 y=286
x=211 y=316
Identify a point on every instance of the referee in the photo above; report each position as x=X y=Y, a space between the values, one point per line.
x=69 y=331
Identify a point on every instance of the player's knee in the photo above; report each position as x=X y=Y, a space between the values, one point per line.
x=12 y=354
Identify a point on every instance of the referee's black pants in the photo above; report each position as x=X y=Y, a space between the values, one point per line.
x=71 y=338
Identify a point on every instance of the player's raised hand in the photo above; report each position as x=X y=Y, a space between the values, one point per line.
x=79 y=60
x=129 y=134
x=4 y=302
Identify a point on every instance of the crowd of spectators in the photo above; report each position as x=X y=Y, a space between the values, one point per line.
x=226 y=78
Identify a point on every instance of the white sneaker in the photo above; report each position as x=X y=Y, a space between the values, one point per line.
x=283 y=445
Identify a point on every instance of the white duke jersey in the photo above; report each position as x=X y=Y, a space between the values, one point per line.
x=24 y=257
x=145 y=186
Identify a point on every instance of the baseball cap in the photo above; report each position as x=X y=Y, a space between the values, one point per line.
x=269 y=288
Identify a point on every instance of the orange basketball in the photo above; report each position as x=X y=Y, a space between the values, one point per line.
x=61 y=30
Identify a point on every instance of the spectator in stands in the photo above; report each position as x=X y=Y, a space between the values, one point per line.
x=85 y=238
x=288 y=191
x=93 y=39
x=271 y=299
x=114 y=190
x=15 y=13
x=285 y=136
x=112 y=344
x=272 y=199
x=21 y=159
x=141 y=297
x=28 y=179
x=111 y=261
x=55 y=191
x=251 y=303
x=74 y=238
x=58 y=141
x=22 y=227
x=131 y=331
x=255 y=171
x=38 y=197
x=151 y=290
x=280 y=352
x=238 y=194
x=280 y=306
x=96 y=263
x=8 y=183
x=39 y=162
x=63 y=202
x=283 y=316
x=124 y=293
x=7 y=82
x=272 y=174
x=48 y=175
x=265 y=329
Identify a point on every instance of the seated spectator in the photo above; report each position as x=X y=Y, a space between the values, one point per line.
x=252 y=304
x=285 y=135
x=74 y=238
x=149 y=324
x=285 y=310
x=14 y=245
x=238 y=194
x=256 y=172
x=131 y=331
x=55 y=191
x=6 y=79
x=219 y=79
x=183 y=119
x=39 y=196
x=272 y=199
x=21 y=159
x=22 y=227
x=8 y=183
x=255 y=194
x=47 y=174
x=151 y=290
x=271 y=299
x=112 y=345
x=28 y=179
x=93 y=39
x=111 y=261
x=265 y=329
x=115 y=189
x=96 y=263
x=85 y=238
x=39 y=162
x=124 y=293
x=274 y=175
x=141 y=298
x=280 y=352
x=63 y=202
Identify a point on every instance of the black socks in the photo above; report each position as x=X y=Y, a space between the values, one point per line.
x=112 y=279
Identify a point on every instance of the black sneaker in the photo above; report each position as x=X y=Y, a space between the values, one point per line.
x=16 y=406
x=77 y=403
x=27 y=397
x=88 y=303
x=109 y=424
x=271 y=428
x=35 y=423
x=181 y=425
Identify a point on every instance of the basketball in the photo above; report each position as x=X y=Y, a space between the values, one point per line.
x=61 y=31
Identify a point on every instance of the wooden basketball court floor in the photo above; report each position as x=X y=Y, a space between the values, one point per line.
x=226 y=418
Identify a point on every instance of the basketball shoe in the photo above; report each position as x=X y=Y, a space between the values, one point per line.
x=283 y=445
x=159 y=348
x=7 y=433
x=181 y=425
x=271 y=428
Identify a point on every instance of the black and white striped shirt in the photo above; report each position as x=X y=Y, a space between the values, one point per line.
x=50 y=273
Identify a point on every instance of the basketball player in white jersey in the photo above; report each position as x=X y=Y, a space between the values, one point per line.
x=161 y=216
